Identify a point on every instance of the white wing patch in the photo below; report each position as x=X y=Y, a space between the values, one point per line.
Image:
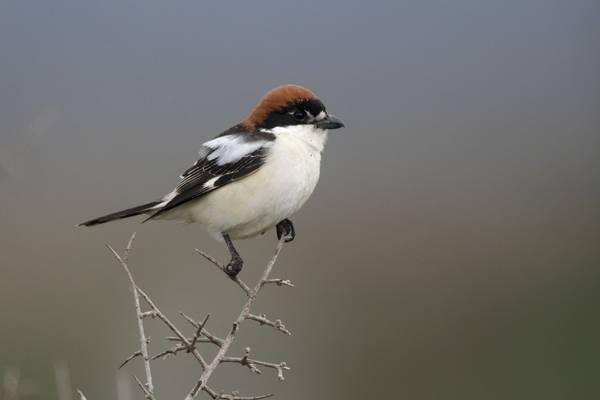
x=223 y=160
x=168 y=197
x=209 y=184
x=231 y=148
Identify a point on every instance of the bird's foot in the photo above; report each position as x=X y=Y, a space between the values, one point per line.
x=285 y=230
x=234 y=267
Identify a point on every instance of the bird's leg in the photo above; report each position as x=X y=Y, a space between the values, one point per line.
x=235 y=264
x=286 y=230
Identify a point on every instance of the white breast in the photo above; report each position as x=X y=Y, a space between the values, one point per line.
x=274 y=192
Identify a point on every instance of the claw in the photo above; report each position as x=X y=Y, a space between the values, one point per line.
x=234 y=267
x=285 y=230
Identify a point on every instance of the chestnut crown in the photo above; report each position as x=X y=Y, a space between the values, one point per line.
x=289 y=105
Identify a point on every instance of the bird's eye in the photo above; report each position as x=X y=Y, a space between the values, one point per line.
x=299 y=115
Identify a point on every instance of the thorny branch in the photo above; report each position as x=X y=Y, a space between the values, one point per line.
x=234 y=395
x=149 y=386
x=147 y=393
x=206 y=374
x=263 y=320
x=252 y=364
x=185 y=344
x=209 y=336
x=217 y=264
x=279 y=282
x=173 y=328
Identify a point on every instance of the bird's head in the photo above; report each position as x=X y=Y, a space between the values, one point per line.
x=290 y=105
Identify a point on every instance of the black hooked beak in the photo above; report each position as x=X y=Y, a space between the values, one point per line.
x=329 y=122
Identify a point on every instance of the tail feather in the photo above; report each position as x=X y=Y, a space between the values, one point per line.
x=130 y=212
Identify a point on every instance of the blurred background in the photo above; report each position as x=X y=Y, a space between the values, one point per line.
x=451 y=250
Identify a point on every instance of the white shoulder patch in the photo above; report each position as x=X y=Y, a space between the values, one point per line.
x=231 y=148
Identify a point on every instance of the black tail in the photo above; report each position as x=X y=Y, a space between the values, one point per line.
x=130 y=212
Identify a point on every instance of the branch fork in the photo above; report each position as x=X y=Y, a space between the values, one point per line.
x=189 y=345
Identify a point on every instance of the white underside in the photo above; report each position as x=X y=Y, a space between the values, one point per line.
x=277 y=190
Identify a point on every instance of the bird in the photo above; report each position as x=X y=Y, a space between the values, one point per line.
x=253 y=176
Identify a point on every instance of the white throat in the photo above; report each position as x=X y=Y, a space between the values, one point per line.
x=308 y=134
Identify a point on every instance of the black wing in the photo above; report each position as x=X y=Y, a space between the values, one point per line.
x=225 y=159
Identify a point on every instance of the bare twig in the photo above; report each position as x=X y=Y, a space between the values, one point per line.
x=217 y=264
x=200 y=340
x=218 y=396
x=209 y=336
x=149 y=314
x=131 y=357
x=147 y=393
x=201 y=334
x=128 y=247
x=172 y=327
x=183 y=345
x=279 y=282
x=263 y=320
x=208 y=371
x=198 y=333
x=252 y=364
x=172 y=351
x=138 y=310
